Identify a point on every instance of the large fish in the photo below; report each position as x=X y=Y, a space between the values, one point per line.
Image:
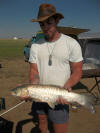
x=50 y=94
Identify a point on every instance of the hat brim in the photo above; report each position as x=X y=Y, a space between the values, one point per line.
x=46 y=17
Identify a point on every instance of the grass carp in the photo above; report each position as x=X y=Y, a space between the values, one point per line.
x=50 y=94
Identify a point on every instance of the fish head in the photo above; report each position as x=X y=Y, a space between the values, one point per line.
x=19 y=91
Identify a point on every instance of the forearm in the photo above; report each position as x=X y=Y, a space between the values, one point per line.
x=75 y=76
x=33 y=78
x=73 y=80
x=33 y=75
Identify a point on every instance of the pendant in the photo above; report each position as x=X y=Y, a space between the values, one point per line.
x=50 y=60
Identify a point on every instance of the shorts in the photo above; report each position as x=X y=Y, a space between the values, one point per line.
x=58 y=115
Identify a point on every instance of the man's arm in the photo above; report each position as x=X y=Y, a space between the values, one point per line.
x=33 y=74
x=73 y=80
x=75 y=76
x=33 y=78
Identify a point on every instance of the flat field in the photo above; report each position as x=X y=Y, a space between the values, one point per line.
x=12 y=48
x=15 y=71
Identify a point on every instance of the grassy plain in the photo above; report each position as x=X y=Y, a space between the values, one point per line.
x=10 y=48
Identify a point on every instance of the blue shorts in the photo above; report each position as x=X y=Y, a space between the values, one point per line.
x=58 y=115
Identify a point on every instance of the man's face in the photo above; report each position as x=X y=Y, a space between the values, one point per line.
x=49 y=27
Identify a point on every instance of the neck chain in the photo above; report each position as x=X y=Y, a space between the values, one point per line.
x=50 y=55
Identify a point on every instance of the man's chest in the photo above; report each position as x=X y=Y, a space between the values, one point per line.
x=56 y=51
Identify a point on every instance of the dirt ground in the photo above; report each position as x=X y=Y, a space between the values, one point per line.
x=14 y=72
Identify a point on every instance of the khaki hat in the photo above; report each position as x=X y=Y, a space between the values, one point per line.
x=46 y=11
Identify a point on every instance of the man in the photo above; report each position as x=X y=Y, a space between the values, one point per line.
x=50 y=61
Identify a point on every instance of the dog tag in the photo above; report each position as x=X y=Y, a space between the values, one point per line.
x=50 y=60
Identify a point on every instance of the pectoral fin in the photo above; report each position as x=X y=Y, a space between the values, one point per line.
x=52 y=105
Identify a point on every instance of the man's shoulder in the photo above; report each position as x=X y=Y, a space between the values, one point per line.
x=40 y=41
x=67 y=37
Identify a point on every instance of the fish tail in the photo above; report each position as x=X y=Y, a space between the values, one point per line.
x=92 y=109
x=89 y=102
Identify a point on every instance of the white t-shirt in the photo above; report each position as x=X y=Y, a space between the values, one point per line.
x=63 y=51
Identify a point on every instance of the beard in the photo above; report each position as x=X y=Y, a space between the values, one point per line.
x=51 y=35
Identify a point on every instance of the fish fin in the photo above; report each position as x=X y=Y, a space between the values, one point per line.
x=36 y=100
x=89 y=102
x=89 y=98
x=52 y=105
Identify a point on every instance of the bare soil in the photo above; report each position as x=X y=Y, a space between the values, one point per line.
x=14 y=72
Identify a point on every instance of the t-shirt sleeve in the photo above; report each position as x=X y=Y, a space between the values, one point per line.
x=33 y=54
x=76 y=52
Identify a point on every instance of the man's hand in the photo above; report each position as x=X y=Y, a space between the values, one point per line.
x=26 y=98
x=67 y=88
x=60 y=100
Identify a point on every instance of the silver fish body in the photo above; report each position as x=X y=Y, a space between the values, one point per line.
x=50 y=94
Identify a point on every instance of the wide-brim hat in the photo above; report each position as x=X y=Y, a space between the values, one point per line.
x=46 y=11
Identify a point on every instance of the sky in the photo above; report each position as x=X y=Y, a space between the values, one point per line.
x=15 y=16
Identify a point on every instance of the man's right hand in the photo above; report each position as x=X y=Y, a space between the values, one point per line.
x=26 y=98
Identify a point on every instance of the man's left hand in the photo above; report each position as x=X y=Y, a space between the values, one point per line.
x=60 y=100
x=67 y=88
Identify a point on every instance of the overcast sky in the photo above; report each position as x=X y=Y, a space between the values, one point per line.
x=15 y=15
